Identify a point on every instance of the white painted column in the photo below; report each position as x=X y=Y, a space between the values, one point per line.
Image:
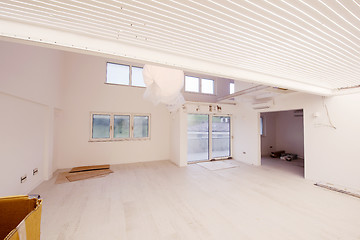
x=48 y=144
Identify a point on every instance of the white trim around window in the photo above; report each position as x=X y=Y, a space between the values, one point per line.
x=110 y=127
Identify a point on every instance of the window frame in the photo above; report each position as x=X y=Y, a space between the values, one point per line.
x=130 y=74
x=131 y=127
x=200 y=85
x=231 y=84
x=210 y=137
x=213 y=85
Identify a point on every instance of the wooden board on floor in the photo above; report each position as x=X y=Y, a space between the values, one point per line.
x=61 y=178
x=89 y=168
x=87 y=174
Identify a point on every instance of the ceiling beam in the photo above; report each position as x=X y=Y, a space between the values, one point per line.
x=50 y=38
x=243 y=92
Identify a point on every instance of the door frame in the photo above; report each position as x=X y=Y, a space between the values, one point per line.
x=210 y=119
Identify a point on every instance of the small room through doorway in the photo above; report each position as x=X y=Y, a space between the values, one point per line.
x=282 y=140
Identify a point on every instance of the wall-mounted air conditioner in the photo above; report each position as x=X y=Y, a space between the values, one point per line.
x=262 y=103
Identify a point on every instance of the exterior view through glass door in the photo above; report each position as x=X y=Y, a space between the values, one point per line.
x=208 y=130
x=221 y=141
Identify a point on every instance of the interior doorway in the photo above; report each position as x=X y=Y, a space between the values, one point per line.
x=282 y=140
x=209 y=137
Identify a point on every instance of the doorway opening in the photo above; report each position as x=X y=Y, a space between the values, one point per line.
x=209 y=137
x=282 y=140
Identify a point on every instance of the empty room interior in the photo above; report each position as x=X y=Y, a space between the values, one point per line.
x=183 y=119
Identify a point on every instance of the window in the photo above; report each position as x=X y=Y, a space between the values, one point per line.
x=191 y=84
x=207 y=86
x=101 y=126
x=199 y=85
x=113 y=127
x=137 y=77
x=118 y=74
x=232 y=88
x=121 y=126
x=124 y=75
x=141 y=126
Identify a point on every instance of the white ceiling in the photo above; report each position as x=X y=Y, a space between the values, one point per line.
x=298 y=44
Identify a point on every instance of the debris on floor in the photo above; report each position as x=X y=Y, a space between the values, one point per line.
x=283 y=155
x=288 y=156
x=277 y=154
x=82 y=173
x=339 y=189
x=89 y=168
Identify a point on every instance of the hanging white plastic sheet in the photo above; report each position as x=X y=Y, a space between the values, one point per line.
x=163 y=85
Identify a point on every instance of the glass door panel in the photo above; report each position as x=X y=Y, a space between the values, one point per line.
x=220 y=136
x=198 y=137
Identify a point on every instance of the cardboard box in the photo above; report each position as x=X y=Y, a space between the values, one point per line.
x=20 y=218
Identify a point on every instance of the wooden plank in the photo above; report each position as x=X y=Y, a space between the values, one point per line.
x=61 y=178
x=89 y=168
x=87 y=174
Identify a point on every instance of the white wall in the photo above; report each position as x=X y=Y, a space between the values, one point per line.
x=85 y=92
x=268 y=139
x=246 y=141
x=178 y=140
x=331 y=155
x=29 y=91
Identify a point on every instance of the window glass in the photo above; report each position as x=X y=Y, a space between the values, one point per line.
x=232 y=88
x=101 y=126
x=121 y=126
x=207 y=86
x=141 y=126
x=137 y=77
x=198 y=137
x=220 y=136
x=117 y=74
x=191 y=84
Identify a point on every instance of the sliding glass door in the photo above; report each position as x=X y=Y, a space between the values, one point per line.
x=209 y=137
x=198 y=137
x=220 y=136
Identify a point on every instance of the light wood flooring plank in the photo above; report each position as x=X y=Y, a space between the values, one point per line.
x=158 y=200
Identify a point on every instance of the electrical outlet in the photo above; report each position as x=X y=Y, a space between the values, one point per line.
x=35 y=171
x=23 y=178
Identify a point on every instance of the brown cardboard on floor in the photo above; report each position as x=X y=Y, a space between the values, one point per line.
x=89 y=168
x=88 y=174
x=14 y=210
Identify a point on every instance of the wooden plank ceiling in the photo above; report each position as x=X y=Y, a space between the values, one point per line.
x=312 y=42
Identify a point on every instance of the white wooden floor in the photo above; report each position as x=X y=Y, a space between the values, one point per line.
x=159 y=200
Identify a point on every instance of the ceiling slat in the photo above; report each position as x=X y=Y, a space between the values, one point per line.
x=315 y=42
